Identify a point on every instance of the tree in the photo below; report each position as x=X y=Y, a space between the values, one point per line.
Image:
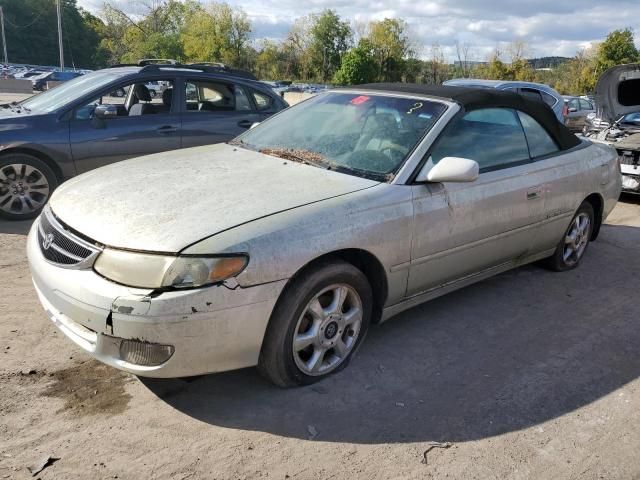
x=31 y=31
x=494 y=68
x=154 y=33
x=358 y=66
x=519 y=69
x=330 y=39
x=390 y=45
x=269 y=61
x=216 y=32
x=617 y=49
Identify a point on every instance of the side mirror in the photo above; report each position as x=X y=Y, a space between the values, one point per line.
x=450 y=169
x=104 y=112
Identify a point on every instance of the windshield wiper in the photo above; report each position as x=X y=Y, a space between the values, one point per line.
x=299 y=155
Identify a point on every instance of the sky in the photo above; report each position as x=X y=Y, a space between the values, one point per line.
x=548 y=27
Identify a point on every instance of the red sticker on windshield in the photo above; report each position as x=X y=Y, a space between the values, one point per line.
x=359 y=100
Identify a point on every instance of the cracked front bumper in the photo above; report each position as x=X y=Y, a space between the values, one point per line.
x=212 y=329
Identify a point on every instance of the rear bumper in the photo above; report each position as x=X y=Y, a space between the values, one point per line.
x=211 y=329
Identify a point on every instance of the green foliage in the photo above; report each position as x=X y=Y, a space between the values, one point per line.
x=330 y=39
x=617 y=49
x=390 y=45
x=358 y=66
x=31 y=30
x=216 y=33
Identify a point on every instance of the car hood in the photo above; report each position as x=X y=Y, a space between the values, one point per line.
x=617 y=92
x=168 y=201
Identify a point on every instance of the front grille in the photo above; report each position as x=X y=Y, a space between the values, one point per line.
x=60 y=246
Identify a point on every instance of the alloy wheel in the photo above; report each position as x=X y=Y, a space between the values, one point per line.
x=327 y=330
x=23 y=189
x=576 y=240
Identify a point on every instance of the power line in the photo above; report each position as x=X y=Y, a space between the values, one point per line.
x=24 y=26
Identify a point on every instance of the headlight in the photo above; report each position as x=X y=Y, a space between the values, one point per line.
x=147 y=270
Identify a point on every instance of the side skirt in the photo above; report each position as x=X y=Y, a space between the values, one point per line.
x=436 y=292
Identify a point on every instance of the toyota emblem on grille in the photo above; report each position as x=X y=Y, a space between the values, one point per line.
x=48 y=240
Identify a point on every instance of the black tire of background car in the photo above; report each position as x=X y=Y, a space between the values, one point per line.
x=276 y=362
x=36 y=163
x=556 y=261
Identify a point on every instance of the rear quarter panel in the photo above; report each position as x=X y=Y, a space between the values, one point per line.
x=569 y=179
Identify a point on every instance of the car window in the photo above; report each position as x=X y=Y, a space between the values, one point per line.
x=211 y=96
x=362 y=134
x=263 y=101
x=585 y=105
x=574 y=103
x=540 y=142
x=531 y=93
x=242 y=100
x=133 y=99
x=493 y=137
x=548 y=99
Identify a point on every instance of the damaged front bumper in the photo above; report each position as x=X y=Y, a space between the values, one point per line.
x=171 y=334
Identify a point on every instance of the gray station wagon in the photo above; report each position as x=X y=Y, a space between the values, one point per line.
x=110 y=115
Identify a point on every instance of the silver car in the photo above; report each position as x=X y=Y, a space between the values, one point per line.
x=282 y=247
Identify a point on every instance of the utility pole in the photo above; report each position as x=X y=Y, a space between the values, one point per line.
x=60 y=35
x=4 y=40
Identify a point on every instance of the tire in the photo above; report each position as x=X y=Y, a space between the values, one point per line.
x=334 y=339
x=26 y=184
x=560 y=261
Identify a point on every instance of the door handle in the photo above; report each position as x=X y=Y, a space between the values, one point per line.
x=166 y=129
x=533 y=193
x=245 y=123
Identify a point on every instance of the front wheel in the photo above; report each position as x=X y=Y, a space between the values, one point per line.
x=575 y=241
x=317 y=325
x=26 y=183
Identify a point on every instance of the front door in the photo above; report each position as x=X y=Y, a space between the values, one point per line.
x=464 y=228
x=145 y=124
x=215 y=111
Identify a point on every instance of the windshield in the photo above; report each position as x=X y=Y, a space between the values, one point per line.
x=366 y=135
x=68 y=91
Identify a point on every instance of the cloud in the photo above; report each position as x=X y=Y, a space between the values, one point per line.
x=548 y=27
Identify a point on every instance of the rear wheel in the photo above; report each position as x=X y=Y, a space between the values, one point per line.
x=317 y=325
x=26 y=183
x=575 y=241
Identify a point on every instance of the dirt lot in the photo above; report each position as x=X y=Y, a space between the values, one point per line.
x=530 y=374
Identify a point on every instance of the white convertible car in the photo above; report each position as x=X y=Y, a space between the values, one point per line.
x=282 y=247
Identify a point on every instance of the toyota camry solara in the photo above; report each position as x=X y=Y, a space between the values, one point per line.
x=282 y=247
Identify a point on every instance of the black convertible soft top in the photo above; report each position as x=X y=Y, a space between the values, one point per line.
x=474 y=98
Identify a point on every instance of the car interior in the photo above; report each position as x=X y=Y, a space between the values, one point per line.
x=215 y=97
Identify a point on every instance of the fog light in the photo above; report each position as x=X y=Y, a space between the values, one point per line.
x=145 y=354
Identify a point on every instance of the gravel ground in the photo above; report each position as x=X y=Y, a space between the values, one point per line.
x=531 y=374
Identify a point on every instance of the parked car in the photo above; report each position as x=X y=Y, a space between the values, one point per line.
x=536 y=91
x=618 y=120
x=577 y=110
x=40 y=81
x=281 y=247
x=81 y=125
